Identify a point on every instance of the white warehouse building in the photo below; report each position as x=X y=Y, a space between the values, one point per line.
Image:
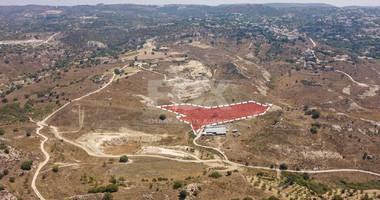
x=215 y=130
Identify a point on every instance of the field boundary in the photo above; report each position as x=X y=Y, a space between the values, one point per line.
x=179 y=115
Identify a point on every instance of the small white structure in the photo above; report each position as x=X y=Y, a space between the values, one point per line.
x=215 y=130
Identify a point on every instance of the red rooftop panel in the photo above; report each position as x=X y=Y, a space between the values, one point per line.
x=199 y=116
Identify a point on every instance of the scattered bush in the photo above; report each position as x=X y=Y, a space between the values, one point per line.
x=283 y=166
x=177 y=184
x=2 y=187
x=337 y=197
x=117 y=71
x=273 y=198
x=162 y=117
x=107 y=196
x=55 y=168
x=313 y=130
x=366 y=197
x=26 y=165
x=229 y=173
x=247 y=198
x=123 y=159
x=314 y=113
x=215 y=175
x=304 y=180
x=2 y=131
x=12 y=179
x=102 y=189
x=183 y=194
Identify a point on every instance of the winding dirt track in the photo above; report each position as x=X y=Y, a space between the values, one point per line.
x=42 y=124
x=353 y=80
x=225 y=160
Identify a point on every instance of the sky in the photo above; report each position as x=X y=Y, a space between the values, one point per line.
x=204 y=2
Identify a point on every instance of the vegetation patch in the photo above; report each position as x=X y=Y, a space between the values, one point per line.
x=370 y=185
x=303 y=180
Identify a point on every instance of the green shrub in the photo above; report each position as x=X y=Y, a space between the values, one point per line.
x=26 y=165
x=183 y=194
x=177 y=184
x=112 y=188
x=303 y=180
x=162 y=117
x=117 y=71
x=123 y=159
x=283 y=166
x=273 y=198
x=109 y=188
x=107 y=196
x=2 y=131
x=55 y=168
x=315 y=114
x=247 y=198
x=313 y=130
x=215 y=175
x=337 y=197
x=366 y=197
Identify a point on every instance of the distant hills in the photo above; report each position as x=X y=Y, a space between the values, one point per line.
x=299 y=5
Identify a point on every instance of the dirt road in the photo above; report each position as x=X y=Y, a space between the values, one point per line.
x=225 y=160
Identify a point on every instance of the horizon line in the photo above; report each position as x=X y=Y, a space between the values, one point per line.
x=196 y=4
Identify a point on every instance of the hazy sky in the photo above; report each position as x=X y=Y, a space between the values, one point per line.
x=208 y=2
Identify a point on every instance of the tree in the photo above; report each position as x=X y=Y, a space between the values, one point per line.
x=55 y=168
x=183 y=194
x=283 y=166
x=4 y=100
x=315 y=114
x=162 y=117
x=107 y=196
x=123 y=159
x=27 y=165
x=117 y=71
x=229 y=173
x=177 y=184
